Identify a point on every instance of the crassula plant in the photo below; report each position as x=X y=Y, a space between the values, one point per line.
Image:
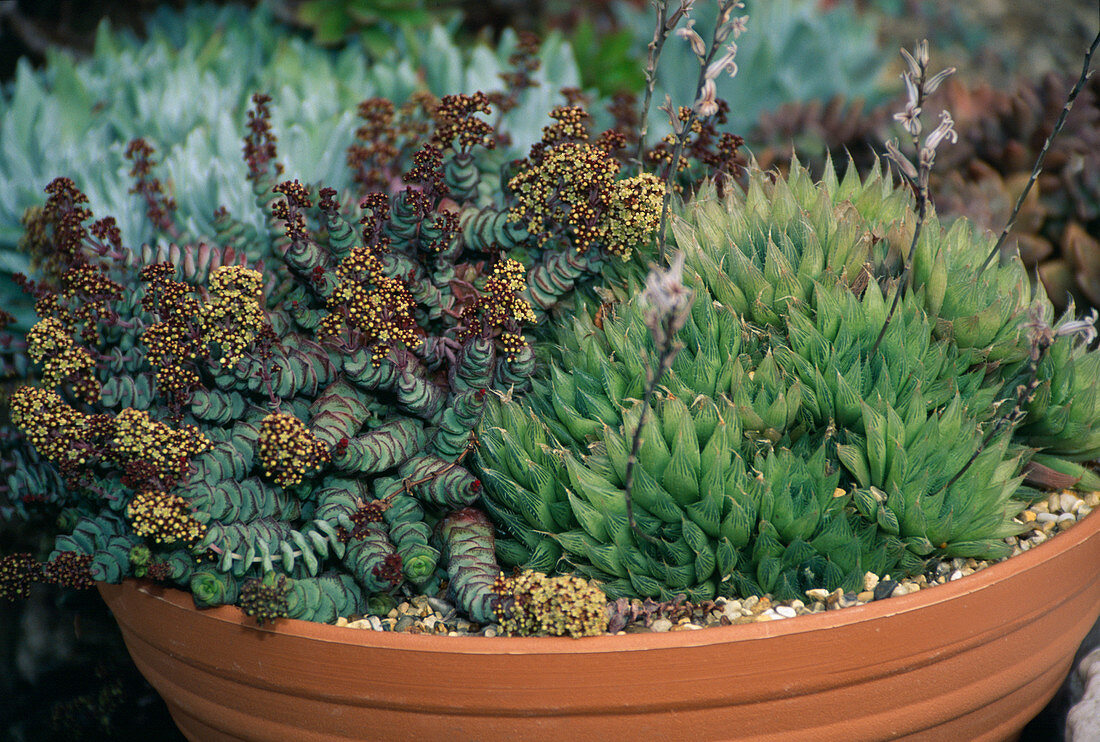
x=280 y=418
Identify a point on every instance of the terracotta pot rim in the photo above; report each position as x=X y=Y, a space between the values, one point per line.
x=1087 y=528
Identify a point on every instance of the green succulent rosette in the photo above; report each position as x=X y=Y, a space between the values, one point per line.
x=788 y=446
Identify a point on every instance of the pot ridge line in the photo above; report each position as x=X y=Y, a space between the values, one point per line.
x=1087 y=529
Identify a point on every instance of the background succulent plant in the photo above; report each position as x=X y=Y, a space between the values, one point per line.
x=796 y=52
x=782 y=453
x=130 y=88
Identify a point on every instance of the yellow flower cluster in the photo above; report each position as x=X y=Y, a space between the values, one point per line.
x=531 y=604
x=512 y=343
x=574 y=186
x=501 y=306
x=234 y=316
x=288 y=451
x=635 y=213
x=164 y=518
x=571 y=122
x=570 y=186
x=378 y=306
x=140 y=439
x=52 y=427
x=508 y=281
x=50 y=344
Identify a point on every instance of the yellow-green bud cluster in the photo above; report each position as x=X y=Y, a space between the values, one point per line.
x=635 y=213
x=265 y=600
x=288 y=450
x=163 y=517
x=233 y=317
x=574 y=184
x=51 y=425
x=50 y=344
x=378 y=306
x=532 y=604
x=138 y=438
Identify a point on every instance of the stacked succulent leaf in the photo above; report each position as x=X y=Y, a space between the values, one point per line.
x=787 y=449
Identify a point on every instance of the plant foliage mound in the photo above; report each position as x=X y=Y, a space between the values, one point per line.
x=280 y=418
x=132 y=88
x=789 y=446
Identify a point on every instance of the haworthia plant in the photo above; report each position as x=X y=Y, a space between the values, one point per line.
x=782 y=454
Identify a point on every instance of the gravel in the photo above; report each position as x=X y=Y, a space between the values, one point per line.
x=1060 y=511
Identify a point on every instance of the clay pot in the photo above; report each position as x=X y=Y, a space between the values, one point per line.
x=971 y=660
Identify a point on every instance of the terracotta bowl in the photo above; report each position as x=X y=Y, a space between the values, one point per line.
x=971 y=660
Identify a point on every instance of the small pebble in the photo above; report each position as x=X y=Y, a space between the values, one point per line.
x=865 y=597
x=1069 y=501
x=786 y=611
x=732 y=609
x=661 y=625
x=870 y=580
x=817 y=594
x=884 y=589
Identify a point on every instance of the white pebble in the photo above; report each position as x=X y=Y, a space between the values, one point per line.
x=732 y=609
x=1046 y=517
x=786 y=611
x=661 y=625
x=870 y=580
x=1066 y=516
x=957 y=574
x=375 y=623
x=1068 y=501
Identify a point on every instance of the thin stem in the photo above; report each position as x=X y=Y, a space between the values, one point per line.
x=661 y=30
x=663 y=364
x=685 y=131
x=1024 y=393
x=1043 y=153
x=903 y=282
